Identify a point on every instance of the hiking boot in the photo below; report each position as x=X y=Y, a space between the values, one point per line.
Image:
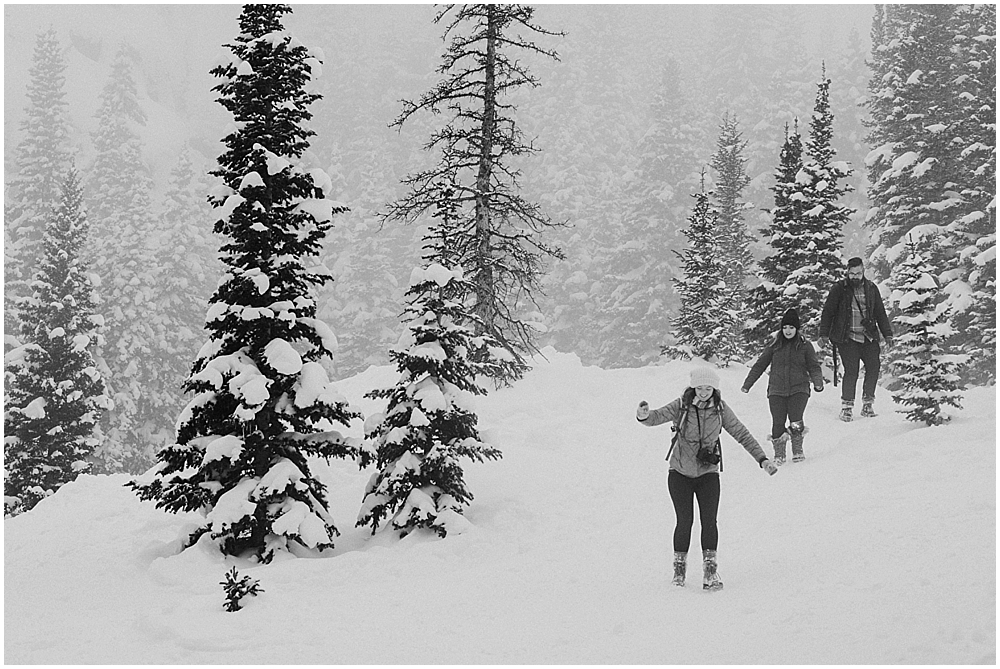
x=798 y=430
x=868 y=409
x=680 y=569
x=711 y=582
x=847 y=411
x=779 y=448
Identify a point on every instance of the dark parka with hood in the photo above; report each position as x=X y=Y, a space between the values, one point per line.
x=794 y=367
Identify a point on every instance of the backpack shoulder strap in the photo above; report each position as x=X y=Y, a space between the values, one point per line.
x=677 y=430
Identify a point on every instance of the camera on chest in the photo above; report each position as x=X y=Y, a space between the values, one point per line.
x=708 y=456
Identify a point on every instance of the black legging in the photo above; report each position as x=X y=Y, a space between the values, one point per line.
x=683 y=490
x=791 y=407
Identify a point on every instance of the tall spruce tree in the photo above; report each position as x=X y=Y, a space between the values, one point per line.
x=55 y=395
x=186 y=274
x=479 y=144
x=785 y=240
x=927 y=375
x=704 y=325
x=729 y=166
x=119 y=251
x=934 y=156
x=263 y=403
x=974 y=217
x=912 y=106
x=821 y=187
x=40 y=161
x=640 y=300
x=428 y=424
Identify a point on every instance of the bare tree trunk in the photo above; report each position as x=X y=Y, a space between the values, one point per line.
x=484 y=307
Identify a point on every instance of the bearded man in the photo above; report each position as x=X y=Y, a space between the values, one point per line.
x=853 y=318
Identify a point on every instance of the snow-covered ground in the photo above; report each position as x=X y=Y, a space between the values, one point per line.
x=879 y=548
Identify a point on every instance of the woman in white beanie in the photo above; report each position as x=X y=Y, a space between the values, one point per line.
x=695 y=457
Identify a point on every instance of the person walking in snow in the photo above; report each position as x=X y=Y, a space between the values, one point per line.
x=853 y=317
x=695 y=457
x=793 y=365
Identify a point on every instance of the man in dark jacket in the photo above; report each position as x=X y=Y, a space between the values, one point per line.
x=853 y=317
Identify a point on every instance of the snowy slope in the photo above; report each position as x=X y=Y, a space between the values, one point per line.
x=880 y=548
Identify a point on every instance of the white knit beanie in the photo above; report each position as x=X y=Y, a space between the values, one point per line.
x=704 y=376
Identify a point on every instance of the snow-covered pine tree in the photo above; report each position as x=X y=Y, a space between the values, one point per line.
x=703 y=327
x=912 y=105
x=119 y=251
x=55 y=395
x=186 y=274
x=263 y=403
x=40 y=161
x=478 y=145
x=934 y=159
x=640 y=300
x=767 y=301
x=429 y=423
x=927 y=375
x=819 y=262
x=975 y=216
x=729 y=166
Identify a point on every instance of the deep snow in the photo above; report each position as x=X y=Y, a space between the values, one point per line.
x=879 y=548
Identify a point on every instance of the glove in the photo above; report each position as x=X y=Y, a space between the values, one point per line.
x=818 y=387
x=769 y=467
x=824 y=342
x=642 y=413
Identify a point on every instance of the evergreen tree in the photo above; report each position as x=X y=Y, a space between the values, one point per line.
x=926 y=373
x=729 y=165
x=478 y=145
x=975 y=216
x=768 y=300
x=933 y=101
x=186 y=273
x=638 y=306
x=704 y=325
x=263 y=403
x=119 y=251
x=40 y=161
x=428 y=424
x=912 y=105
x=823 y=218
x=55 y=395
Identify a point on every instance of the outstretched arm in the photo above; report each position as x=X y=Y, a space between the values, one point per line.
x=664 y=414
x=763 y=362
x=740 y=433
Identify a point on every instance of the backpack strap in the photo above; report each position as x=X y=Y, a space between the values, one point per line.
x=677 y=431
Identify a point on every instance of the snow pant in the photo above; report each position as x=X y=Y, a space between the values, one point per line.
x=683 y=490
x=790 y=407
x=852 y=354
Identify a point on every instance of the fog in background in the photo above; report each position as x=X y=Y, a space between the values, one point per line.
x=587 y=116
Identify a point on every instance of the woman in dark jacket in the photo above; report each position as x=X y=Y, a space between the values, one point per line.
x=793 y=364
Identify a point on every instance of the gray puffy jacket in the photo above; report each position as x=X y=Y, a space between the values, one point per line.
x=701 y=426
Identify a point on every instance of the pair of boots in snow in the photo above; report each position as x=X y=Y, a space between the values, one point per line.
x=795 y=433
x=867 y=409
x=710 y=580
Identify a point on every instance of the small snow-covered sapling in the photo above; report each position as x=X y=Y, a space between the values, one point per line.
x=237 y=588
